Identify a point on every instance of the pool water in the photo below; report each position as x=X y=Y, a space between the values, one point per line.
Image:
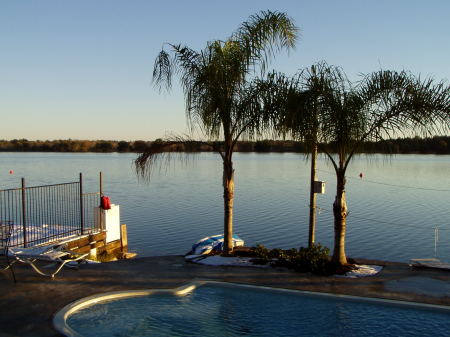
x=218 y=310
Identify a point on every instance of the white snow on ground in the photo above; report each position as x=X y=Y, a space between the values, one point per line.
x=38 y=234
x=217 y=260
x=362 y=271
x=84 y=261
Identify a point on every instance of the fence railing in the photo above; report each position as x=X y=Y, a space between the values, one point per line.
x=48 y=213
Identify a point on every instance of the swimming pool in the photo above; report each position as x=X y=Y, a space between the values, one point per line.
x=223 y=309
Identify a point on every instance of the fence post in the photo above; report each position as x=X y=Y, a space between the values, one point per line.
x=81 y=205
x=24 y=214
x=101 y=185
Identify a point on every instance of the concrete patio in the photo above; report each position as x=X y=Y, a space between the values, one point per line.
x=27 y=307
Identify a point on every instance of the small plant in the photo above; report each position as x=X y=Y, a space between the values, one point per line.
x=313 y=259
x=261 y=255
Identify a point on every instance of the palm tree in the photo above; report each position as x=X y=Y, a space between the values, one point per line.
x=299 y=117
x=323 y=107
x=220 y=99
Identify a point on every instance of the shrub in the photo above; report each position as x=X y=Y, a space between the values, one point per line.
x=313 y=259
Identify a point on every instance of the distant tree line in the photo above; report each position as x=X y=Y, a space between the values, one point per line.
x=416 y=145
x=434 y=145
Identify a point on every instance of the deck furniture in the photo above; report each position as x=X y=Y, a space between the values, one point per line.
x=55 y=254
x=5 y=238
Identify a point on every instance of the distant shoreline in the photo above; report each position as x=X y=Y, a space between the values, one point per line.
x=433 y=145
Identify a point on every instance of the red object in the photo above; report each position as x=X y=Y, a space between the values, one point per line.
x=11 y=171
x=361 y=175
x=105 y=203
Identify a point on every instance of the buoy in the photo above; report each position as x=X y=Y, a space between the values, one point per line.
x=11 y=171
x=361 y=175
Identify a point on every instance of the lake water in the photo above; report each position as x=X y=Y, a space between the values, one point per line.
x=394 y=208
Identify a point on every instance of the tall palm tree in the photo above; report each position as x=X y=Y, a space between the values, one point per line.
x=220 y=100
x=322 y=106
x=299 y=105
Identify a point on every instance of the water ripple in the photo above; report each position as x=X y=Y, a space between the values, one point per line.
x=185 y=203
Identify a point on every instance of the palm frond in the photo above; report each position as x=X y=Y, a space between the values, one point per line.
x=264 y=34
x=219 y=98
x=399 y=101
x=321 y=105
x=159 y=154
x=162 y=71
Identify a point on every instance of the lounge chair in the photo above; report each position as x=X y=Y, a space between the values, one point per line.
x=5 y=238
x=57 y=254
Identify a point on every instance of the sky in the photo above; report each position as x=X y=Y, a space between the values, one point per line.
x=82 y=69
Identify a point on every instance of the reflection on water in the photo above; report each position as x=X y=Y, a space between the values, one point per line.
x=213 y=310
x=184 y=203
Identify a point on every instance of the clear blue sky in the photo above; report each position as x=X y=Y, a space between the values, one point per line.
x=82 y=69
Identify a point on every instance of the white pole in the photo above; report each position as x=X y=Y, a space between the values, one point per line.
x=436 y=239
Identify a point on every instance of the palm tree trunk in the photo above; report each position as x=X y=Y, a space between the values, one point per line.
x=312 y=199
x=340 y=220
x=228 y=198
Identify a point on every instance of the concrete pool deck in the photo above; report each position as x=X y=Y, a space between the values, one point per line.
x=27 y=308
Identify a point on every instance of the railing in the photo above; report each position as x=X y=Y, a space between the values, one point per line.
x=48 y=213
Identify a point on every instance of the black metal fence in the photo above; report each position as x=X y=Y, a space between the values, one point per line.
x=48 y=213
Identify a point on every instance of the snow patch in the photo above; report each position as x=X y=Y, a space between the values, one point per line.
x=217 y=260
x=362 y=271
x=40 y=233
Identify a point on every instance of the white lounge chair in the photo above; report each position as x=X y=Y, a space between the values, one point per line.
x=49 y=253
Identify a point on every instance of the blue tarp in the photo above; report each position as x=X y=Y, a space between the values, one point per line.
x=213 y=244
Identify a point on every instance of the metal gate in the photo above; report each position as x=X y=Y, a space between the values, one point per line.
x=48 y=213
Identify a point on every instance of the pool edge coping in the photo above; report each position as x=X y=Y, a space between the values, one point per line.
x=60 y=317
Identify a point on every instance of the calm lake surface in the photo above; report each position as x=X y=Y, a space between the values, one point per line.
x=394 y=208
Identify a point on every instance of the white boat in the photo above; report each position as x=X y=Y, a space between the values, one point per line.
x=213 y=244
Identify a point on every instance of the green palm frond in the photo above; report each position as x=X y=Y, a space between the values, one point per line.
x=399 y=101
x=264 y=34
x=322 y=106
x=162 y=70
x=215 y=80
x=159 y=154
